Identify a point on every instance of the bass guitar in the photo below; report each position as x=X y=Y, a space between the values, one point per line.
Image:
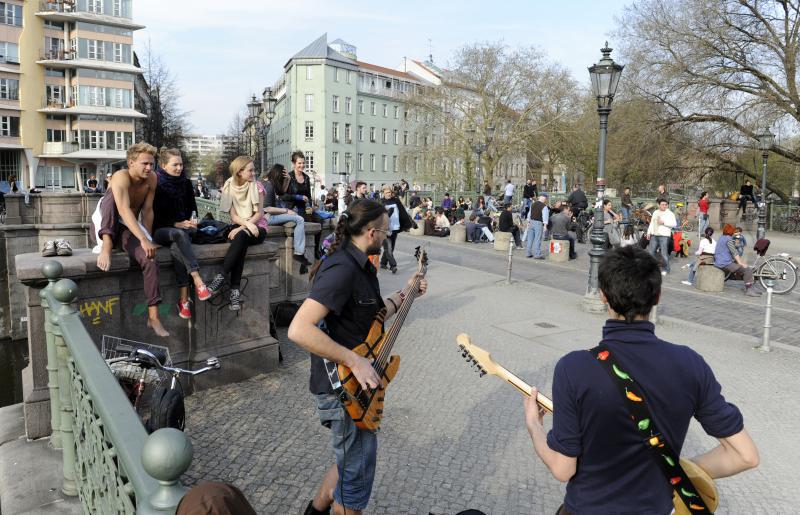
x=485 y=364
x=365 y=407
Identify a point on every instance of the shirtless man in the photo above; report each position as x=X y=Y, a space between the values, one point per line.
x=115 y=222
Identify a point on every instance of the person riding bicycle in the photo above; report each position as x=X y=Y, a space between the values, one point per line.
x=577 y=201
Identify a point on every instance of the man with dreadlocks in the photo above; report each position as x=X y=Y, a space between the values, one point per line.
x=345 y=297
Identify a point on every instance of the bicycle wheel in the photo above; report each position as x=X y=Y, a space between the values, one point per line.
x=780 y=270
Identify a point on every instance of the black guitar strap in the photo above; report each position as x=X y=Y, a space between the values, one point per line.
x=659 y=448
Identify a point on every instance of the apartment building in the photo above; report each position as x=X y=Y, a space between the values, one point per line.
x=202 y=145
x=346 y=115
x=66 y=90
x=352 y=117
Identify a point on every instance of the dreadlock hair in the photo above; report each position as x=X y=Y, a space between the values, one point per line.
x=352 y=222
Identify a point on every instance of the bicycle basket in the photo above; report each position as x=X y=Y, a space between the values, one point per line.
x=128 y=374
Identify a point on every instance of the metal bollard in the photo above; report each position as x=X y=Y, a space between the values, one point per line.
x=510 y=256
x=764 y=347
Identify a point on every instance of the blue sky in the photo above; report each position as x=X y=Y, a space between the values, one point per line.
x=222 y=51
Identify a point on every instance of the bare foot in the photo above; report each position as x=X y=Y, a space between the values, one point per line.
x=155 y=325
x=104 y=261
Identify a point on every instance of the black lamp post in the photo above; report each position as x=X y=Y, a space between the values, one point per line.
x=479 y=147
x=262 y=114
x=605 y=78
x=765 y=141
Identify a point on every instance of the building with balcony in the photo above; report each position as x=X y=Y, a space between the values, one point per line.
x=67 y=79
x=203 y=145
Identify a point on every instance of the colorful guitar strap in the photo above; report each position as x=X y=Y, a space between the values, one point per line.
x=660 y=449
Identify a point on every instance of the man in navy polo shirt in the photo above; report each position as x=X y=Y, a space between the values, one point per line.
x=593 y=445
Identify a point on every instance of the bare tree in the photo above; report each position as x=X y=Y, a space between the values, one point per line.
x=166 y=124
x=724 y=68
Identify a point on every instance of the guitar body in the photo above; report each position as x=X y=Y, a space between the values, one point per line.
x=703 y=484
x=365 y=407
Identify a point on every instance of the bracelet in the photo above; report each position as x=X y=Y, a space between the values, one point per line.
x=402 y=295
x=393 y=303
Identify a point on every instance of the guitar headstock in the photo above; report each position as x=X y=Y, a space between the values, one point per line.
x=477 y=356
x=421 y=254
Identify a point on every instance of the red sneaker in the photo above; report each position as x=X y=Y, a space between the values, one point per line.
x=183 y=310
x=202 y=292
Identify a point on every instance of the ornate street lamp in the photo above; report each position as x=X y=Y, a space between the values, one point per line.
x=262 y=113
x=479 y=147
x=605 y=79
x=765 y=141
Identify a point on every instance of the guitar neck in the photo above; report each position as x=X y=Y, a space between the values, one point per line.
x=523 y=387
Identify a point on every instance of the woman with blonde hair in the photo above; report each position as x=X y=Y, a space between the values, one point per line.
x=174 y=223
x=240 y=198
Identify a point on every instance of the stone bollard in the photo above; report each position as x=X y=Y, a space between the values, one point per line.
x=501 y=240
x=166 y=455
x=458 y=233
x=419 y=230
x=559 y=251
x=709 y=278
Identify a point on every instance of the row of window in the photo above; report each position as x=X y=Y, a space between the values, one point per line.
x=97 y=96
x=337 y=74
x=309 y=135
x=119 y=8
x=93 y=140
x=348 y=106
x=348 y=162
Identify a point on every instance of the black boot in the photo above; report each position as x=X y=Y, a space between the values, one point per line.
x=310 y=510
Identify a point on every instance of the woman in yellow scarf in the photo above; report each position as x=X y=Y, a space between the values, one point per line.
x=240 y=198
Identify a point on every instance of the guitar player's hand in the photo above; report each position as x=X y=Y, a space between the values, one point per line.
x=534 y=414
x=423 y=283
x=365 y=374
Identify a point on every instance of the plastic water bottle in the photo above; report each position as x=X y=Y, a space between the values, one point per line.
x=194 y=217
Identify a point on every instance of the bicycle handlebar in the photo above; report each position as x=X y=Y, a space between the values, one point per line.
x=148 y=359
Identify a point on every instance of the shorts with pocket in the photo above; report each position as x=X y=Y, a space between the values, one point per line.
x=355 y=451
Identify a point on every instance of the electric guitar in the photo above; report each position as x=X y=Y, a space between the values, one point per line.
x=485 y=364
x=365 y=407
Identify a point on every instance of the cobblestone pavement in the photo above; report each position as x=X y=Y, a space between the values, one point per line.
x=729 y=310
x=451 y=440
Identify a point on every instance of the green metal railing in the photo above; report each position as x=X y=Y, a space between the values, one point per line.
x=109 y=461
x=205 y=206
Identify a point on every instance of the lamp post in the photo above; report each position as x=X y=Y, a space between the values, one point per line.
x=479 y=147
x=605 y=78
x=765 y=141
x=262 y=114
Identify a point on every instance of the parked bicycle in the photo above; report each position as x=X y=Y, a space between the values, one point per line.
x=790 y=222
x=779 y=268
x=143 y=374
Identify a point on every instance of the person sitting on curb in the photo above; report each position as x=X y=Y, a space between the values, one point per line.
x=727 y=257
x=442 y=227
x=560 y=229
x=506 y=224
x=115 y=223
x=475 y=230
x=173 y=226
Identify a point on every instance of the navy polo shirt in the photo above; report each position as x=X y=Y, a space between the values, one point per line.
x=615 y=472
x=347 y=284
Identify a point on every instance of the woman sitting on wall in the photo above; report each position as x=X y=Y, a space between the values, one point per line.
x=240 y=198
x=274 y=195
x=174 y=223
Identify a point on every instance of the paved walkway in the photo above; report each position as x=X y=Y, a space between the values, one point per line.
x=451 y=440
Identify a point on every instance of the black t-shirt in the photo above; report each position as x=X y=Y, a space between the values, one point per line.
x=346 y=284
x=615 y=472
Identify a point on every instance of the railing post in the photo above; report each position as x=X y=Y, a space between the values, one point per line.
x=510 y=257
x=65 y=291
x=52 y=270
x=166 y=455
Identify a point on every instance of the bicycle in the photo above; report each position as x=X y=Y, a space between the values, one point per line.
x=583 y=225
x=790 y=222
x=778 y=268
x=136 y=367
x=684 y=224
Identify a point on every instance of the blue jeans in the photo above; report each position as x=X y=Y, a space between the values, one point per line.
x=626 y=213
x=662 y=242
x=299 y=229
x=534 y=238
x=702 y=223
x=355 y=451
x=507 y=199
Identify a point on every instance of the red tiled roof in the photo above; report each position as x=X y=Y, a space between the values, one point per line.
x=386 y=71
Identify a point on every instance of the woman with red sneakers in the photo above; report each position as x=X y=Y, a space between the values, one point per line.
x=173 y=226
